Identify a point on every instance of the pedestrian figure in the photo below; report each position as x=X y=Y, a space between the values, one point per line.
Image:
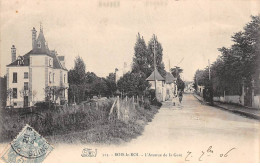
x=180 y=95
x=174 y=99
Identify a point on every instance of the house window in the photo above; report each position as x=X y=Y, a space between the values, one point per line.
x=49 y=62
x=14 y=77
x=15 y=104
x=15 y=93
x=26 y=86
x=25 y=75
x=50 y=77
x=64 y=78
x=53 y=77
x=39 y=44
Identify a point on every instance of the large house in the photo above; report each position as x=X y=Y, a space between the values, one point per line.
x=37 y=76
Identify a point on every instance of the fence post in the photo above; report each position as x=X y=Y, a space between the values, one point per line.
x=125 y=98
x=142 y=98
x=118 y=106
x=133 y=99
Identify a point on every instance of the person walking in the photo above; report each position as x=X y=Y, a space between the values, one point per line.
x=180 y=95
x=174 y=99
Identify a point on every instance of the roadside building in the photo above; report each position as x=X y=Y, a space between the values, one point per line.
x=160 y=84
x=166 y=87
x=171 y=86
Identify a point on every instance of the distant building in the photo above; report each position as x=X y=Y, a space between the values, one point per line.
x=200 y=90
x=29 y=76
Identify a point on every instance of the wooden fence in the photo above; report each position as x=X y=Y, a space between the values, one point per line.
x=123 y=108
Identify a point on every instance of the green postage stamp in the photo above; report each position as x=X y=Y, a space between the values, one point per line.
x=28 y=147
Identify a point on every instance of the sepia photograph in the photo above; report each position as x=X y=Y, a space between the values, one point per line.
x=130 y=81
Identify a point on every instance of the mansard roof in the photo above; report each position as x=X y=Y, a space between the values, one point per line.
x=43 y=50
x=26 y=60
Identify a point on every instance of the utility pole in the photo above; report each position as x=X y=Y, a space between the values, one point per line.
x=169 y=65
x=209 y=69
x=211 y=86
x=154 y=61
x=115 y=75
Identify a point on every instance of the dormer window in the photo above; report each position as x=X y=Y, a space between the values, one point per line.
x=20 y=60
x=39 y=44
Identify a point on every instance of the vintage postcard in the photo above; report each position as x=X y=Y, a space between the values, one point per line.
x=130 y=81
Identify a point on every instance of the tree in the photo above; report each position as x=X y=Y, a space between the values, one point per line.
x=176 y=71
x=34 y=94
x=25 y=92
x=240 y=62
x=99 y=87
x=77 y=74
x=3 y=91
x=48 y=94
x=140 y=61
x=77 y=77
x=133 y=83
x=111 y=84
x=10 y=95
x=159 y=56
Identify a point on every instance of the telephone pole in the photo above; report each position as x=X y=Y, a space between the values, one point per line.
x=209 y=70
x=210 y=86
x=154 y=61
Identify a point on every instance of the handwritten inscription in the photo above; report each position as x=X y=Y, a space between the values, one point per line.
x=207 y=153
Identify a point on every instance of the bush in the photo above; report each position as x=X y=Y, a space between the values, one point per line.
x=87 y=122
x=147 y=104
x=45 y=105
x=155 y=102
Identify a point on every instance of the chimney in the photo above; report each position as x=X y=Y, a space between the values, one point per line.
x=13 y=52
x=62 y=60
x=34 y=34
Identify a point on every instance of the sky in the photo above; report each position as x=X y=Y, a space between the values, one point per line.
x=105 y=35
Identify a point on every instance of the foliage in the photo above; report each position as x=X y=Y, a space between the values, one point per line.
x=77 y=74
x=140 y=61
x=143 y=60
x=111 y=84
x=180 y=84
x=133 y=83
x=84 y=85
x=85 y=123
x=9 y=95
x=159 y=56
x=3 y=91
x=176 y=71
x=236 y=64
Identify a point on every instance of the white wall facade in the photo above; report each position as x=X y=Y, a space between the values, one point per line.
x=40 y=75
x=256 y=102
x=20 y=70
